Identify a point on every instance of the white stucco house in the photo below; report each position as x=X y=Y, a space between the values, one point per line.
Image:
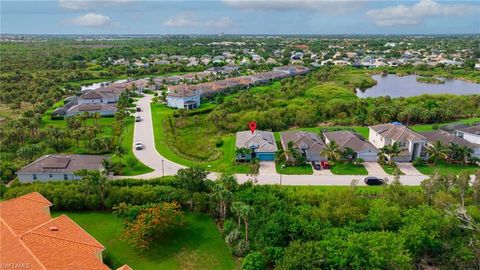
x=411 y=142
x=471 y=134
x=183 y=97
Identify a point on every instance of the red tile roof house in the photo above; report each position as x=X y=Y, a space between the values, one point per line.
x=32 y=239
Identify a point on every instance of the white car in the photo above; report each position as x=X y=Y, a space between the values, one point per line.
x=138 y=146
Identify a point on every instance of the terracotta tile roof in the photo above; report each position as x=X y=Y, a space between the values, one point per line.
x=31 y=238
x=25 y=212
x=124 y=267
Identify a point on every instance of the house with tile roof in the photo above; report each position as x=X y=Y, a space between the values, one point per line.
x=470 y=133
x=58 y=167
x=446 y=138
x=32 y=239
x=262 y=143
x=309 y=144
x=411 y=142
x=348 y=139
x=183 y=96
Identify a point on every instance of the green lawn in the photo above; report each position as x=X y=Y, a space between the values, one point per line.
x=304 y=168
x=225 y=162
x=391 y=169
x=348 y=169
x=132 y=165
x=446 y=168
x=198 y=245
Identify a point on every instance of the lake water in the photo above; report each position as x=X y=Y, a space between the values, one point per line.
x=407 y=86
x=98 y=85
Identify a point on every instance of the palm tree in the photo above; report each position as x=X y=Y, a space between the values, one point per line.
x=464 y=154
x=244 y=212
x=394 y=151
x=436 y=151
x=235 y=208
x=331 y=151
x=348 y=154
x=120 y=151
x=223 y=196
x=243 y=151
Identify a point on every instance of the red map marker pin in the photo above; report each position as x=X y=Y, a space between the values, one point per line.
x=252 y=125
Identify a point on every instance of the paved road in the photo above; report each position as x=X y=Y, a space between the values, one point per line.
x=150 y=157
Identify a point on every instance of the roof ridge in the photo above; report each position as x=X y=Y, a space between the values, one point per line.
x=63 y=239
x=18 y=237
x=51 y=236
x=35 y=161
x=30 y=199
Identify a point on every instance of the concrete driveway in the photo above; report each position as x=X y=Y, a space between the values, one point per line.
x=407 y=168
x=374 y=169
x=267 y=168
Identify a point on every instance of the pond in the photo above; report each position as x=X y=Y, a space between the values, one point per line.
x=98 y=85
x=407 y=86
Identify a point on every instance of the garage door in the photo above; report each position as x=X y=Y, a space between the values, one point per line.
x=266 y=156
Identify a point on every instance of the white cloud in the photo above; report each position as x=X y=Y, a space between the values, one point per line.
x=89 y=4
x=91 y=19
x=415 y=14
x=188 y=19
x=327 y=6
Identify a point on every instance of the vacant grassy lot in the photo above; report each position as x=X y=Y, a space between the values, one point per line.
x=304 y=168
x=348 y=169
x=226 y=158
x=446 y=168
x=198 y=245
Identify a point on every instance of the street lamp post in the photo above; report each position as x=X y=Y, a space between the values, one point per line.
x=163 y=170
x=281 y=173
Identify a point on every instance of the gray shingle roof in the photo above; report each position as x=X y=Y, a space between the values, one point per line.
x=62 y=163
x=397 y=132
x=264 y=141
x=446 y=138
x=349 y=139
x=472 y=130
x=302 y=140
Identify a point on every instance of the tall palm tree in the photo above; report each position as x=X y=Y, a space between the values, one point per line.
x=436 y=151
x=464 y=154
x=120 y=151
x=331 y=151
x=348 y=154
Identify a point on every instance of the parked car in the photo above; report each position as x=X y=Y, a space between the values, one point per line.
x=373 y=181
x=138 y=118
x=138 y=146
x=316 y=165
x=139 y=109
x=325 y=165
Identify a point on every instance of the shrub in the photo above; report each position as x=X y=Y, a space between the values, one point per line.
x=254 y=261
x=418 y=161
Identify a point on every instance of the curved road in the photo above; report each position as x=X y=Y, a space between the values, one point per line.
x=149 y=156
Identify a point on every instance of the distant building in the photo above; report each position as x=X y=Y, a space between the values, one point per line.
x=183 y=97
x=58 y=167
x=100 y=108
x=262 y=143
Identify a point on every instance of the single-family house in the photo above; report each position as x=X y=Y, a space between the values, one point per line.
x=308 y=144
x=471 y=134
x=183 y=97
x=261 y=143
x=447 y=138
x=32 y=239
x=411 y=142
x=57 y=167
x=100 y=108
x=348 y=139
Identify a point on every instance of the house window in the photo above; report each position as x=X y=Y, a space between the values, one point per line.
x=34 y=176
x=65 y=177
x=51 y=175
x=402 y=144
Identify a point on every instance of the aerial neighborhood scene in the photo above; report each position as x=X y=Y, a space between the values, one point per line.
x=235 y=134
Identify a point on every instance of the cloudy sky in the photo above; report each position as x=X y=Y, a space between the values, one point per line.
x=239 y=17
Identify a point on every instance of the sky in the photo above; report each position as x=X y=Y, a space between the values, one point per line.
x=271 y=17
